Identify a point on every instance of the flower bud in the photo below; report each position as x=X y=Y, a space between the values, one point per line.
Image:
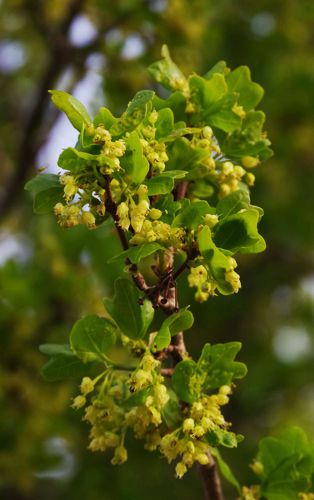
x=78 y=402
x=87 y=385
x=249 y=161
x=120 y=455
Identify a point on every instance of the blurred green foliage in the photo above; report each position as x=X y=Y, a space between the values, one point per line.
x=58 y=276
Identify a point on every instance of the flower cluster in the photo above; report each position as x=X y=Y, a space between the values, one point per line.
x=200 y=279
x=110 y=412
x=72 y=215
x=189 y=443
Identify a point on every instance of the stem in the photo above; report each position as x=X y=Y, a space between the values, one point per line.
x=209 y=473
x=177 y=349
x=211 y=481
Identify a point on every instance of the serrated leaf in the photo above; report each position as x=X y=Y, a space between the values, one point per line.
x=63 y=363
x=132 y=319
x=91 y=337
x=47 y=190
x=159 y=184
x=75 y=111
x=250 y=93
x=137 y=253
x=178 y=322
x=166 y=71
x=238 y=232
x=217 y=362
x=185 y=382
x=192 y=215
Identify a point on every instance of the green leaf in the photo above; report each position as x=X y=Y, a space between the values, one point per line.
x=132 y=319
x=288 y=464
x=138 y=252
x=233 y=203
x=171 y=411
x=138 y=398
x=104 y=117
x=135 y=113
x=216 y=260
x=185 y=382
x=47 y=190
x=134 y=162
x=164 y=124
x=178 y=322
x=220 y=67
x=217 y=362
x=159 y=184
x=176 y=102
x=214 y=103
x=166 y=71
x=63 y=363
x=250 y=93
x=249 y=141
x=91 y=337
x=225 y=470
x=238 y=232
x=75 y=111
x=182 y=154
x=221 y=437
x=174 y=174
x=75 y=161
x=192 y=215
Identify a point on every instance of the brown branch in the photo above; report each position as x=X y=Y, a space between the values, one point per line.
x=211 y=481
x=209 y=473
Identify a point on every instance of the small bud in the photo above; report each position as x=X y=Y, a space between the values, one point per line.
x=250 y=161
x=88 y=219
x=153 y=117
x=207 y=132
x=250 y=179
x=87 y=385
x=202 y=458
x=188 y=425
x=210 y=220
x=78 y=402
x=120 y=455
x=155 y=214
x=181 y=469
x=257 y=467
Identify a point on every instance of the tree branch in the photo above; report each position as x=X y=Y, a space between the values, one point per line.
x=211 y=481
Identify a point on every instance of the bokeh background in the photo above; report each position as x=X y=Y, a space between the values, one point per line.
x=98 y=50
